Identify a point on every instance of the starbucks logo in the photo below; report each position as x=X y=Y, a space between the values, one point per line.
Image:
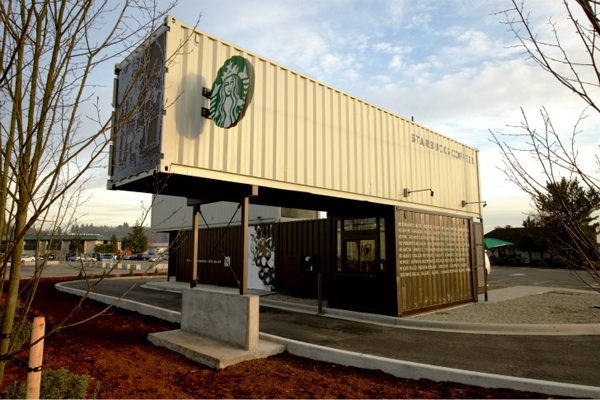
x=232 y=92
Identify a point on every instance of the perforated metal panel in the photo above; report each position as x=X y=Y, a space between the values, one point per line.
x=434 y=260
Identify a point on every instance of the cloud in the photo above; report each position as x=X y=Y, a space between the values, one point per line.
x=391 y=49
x=452 y=65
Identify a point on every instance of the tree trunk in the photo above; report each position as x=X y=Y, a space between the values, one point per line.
x=12 y=297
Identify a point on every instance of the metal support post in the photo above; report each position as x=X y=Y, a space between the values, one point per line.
x=244 y=278
x=320 y=292
x=195 y=228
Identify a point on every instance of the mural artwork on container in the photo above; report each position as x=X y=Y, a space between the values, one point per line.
x=139 y=112
x=261 y=258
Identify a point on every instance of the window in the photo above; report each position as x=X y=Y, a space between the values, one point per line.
x=360 y=245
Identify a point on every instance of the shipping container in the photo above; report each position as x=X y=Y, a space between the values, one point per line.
x=171 y=213
x=298 y=135
x=198 y=120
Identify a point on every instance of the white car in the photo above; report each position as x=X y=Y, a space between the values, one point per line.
x=27 y=258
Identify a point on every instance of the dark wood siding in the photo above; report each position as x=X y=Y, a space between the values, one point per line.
x=293 y=242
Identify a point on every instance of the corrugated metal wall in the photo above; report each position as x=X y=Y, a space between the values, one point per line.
x=172 y=213
x=213 y=246
x=434 y=260
x=299 y=239
x=291 y=239
x=299 y=134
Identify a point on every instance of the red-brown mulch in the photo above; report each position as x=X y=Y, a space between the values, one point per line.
x=113 y=349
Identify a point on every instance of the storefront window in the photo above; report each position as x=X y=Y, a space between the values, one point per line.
x=352 y=257
x=339 y=244
x=363 y=224
x=382 y=257
x=367 y=256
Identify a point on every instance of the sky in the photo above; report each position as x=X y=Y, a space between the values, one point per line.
x=451 y=65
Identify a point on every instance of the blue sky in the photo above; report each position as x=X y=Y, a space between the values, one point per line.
x=452 y=65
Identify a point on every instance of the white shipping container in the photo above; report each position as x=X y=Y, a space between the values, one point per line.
x=170 y=213
x=298 y=134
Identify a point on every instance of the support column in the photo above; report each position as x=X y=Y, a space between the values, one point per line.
x=244 y=278
x=195 y=227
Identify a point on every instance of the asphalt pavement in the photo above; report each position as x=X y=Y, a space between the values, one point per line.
x=528 y=276
x=565 y=365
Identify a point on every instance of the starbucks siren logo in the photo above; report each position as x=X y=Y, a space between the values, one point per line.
x=232 y=92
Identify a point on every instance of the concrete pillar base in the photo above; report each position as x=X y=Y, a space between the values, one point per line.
x=209 y=352
x=218 y=329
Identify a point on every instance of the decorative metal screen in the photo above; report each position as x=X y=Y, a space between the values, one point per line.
x=434 y=260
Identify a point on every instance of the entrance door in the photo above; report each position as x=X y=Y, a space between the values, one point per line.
x=360 y=255
x=360 y=279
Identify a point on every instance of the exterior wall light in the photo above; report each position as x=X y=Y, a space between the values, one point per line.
x=406 y=192
x=464 y=203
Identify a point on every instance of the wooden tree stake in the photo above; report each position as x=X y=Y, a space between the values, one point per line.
x=36 y=354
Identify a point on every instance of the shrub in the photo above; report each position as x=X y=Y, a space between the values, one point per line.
x=56 y=384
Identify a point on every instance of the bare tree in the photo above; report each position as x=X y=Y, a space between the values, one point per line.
x=556 y=153
x=52 y=128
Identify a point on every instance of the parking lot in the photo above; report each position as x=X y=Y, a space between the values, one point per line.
x=72 y=268
x=527 y=276
x=500 y=277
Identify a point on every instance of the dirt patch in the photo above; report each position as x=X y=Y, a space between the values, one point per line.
x=113 y=349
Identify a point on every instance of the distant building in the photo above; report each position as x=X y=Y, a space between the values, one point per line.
x=59 y=244
x=156 y=248
x=538 y=249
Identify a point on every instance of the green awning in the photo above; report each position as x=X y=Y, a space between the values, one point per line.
x=490 y=243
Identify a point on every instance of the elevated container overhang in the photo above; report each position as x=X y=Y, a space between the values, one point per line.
x=300 y=141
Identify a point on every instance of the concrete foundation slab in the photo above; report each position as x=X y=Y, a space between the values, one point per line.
x=209 y=352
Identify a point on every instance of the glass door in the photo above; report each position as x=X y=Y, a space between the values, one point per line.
x=360 y=255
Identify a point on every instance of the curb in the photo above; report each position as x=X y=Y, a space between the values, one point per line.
x=441 y=326
x=144 y=309
x=412 y=370
x=397 y=368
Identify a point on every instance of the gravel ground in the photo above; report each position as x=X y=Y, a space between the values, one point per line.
x=554 y=307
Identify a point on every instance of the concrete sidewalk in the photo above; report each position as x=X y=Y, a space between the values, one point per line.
x=492 y=317
x=560 y=365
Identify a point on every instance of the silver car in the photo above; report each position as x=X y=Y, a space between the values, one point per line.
x=27 y=258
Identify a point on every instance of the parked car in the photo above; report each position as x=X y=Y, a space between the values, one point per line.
x=89 y=257
x=105 y=257
x=154 y=258
x=74 y=257
x=143 y=256
x=27 y=258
